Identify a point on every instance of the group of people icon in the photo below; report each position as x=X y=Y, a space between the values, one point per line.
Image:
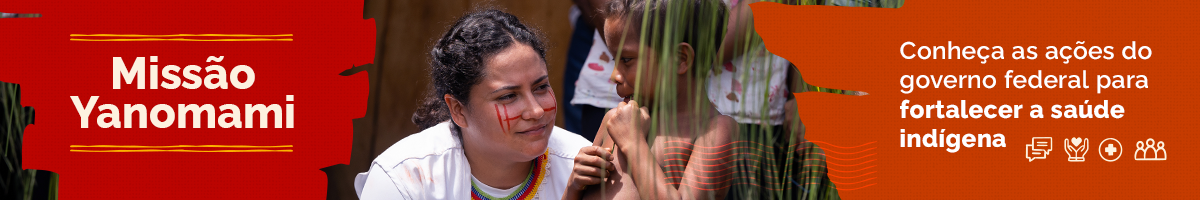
x=1150 y=151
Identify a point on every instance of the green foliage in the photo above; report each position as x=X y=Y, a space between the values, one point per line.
x=17 y=183
x=770 y=162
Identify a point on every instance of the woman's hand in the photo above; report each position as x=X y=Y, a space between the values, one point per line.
x=627 y=123
x=593 y=164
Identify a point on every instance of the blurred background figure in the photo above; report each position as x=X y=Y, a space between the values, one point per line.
x=589 y=64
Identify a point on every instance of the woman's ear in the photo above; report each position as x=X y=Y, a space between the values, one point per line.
x=457 y=110
x=687 y=56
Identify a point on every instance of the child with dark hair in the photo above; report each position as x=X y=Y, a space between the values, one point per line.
x=678 y=146
x=488 y=124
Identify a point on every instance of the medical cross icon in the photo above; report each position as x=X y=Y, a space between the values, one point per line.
x=1111 y=149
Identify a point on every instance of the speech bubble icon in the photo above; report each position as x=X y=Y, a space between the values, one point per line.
x=1031 y=153
x=1039 y=149
x=1043 y=144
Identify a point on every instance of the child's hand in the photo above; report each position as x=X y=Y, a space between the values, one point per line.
x=627 y=123
x=593 y=164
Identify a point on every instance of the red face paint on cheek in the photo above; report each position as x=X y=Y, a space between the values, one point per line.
x=508 y=120
x=504 y=119
x=499 y=119
x=555 y=103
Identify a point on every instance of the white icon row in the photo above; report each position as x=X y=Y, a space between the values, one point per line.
x=1109 y=149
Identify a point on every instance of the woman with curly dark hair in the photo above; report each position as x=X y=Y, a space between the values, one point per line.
x=488 y=123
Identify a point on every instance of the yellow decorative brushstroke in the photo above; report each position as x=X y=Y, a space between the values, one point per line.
x=183 y=150
x=179 y=146
x=182 y=39
x=179 y=35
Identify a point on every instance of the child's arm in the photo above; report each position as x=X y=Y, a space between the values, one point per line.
x=707 y=173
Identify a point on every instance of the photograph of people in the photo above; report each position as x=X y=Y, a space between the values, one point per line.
x=701 y=111
x=687 y=155
x=488 y=123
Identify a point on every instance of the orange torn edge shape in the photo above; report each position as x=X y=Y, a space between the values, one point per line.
x=173 y=37
x=174 y=148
